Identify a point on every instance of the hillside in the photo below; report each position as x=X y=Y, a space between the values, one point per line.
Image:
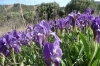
x=97 y=2
x=16 y=8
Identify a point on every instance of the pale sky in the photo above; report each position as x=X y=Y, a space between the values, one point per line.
x=34 y=2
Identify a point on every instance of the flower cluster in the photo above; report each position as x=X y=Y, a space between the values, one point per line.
x=51 y=52
x=11 y=40
x=38 y=33
x=73 y=20
x=41 y=31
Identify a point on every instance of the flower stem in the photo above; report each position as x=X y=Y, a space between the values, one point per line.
x=13 y=57
x=2 y=59
x=94 y=52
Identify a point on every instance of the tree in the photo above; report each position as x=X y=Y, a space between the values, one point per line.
x=61 y=12
x=29 y=16
x=79 y=5
x=48 y=10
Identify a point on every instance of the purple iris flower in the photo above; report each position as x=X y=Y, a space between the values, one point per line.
x=82 y=21
x=88 y=11
x=11 y=41
x=85 y=19
x=61 y=23
x=29 y=29
x=52 y=24
x=15 y=40
x=98 y=38
x=42 y=31
x=72 y=18
x=52 y=53
x=3 y=48
x=28 y=36
x=96 y=28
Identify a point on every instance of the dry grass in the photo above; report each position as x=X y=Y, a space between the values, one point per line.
x=5 y=29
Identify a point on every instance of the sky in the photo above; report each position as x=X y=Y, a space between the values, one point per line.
x=34 y=2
